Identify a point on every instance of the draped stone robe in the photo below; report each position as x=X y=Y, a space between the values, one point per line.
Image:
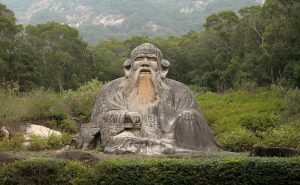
x=161 y=125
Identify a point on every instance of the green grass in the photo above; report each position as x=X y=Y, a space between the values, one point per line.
x=241 y=119
x=225 y=111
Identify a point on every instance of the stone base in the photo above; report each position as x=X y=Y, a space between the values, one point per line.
x=126 y=142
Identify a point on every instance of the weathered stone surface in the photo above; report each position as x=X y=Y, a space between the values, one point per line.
x=38 y=130
x=145 y=112
x=4 y=133
x=76 y=155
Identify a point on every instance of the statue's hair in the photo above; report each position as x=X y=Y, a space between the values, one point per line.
x=146 y=49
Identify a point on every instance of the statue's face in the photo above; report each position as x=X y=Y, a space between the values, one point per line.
x=145 y=64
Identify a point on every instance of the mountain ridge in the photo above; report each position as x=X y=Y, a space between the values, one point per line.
x=98 y=20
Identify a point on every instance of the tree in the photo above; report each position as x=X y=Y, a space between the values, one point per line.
x=63 y=57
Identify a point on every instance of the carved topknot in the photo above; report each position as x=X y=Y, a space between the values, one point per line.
x=148 y=50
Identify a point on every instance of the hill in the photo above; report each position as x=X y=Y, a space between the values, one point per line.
x=122 y=18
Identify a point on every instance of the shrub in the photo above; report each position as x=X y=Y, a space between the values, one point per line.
x=260 y=122
x=238 y=140
x=13 y=108
x=292 y=105
x=69 y=126
x=55 y=142
x=52 y=124
x=74 y=173
x=38 y=143
x=232 y=170
x=284 y=136
x=43 y=104
x=43 y=171
x=15 y=143
x=81 y=102
x=208 y=171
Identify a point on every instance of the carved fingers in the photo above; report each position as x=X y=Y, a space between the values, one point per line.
x=188 y=115
x=135 y=117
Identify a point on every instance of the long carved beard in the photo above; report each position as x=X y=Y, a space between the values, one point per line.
x=145 y=89
x=140 y=90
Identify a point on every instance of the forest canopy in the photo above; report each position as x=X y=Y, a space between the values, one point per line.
x=258 y=45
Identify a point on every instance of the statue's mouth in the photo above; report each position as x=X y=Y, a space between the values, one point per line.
x=145 y=71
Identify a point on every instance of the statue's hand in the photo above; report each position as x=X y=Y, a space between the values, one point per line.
x=188 y=115
x=135 y=117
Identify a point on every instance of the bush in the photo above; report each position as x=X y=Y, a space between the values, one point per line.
x=81 y=102
x=69 y=126
x=238 y=140
x=44 y=104
x=284 y=136
x=75 y=173
x=13 y=108
x=206 y=171
x=260 y=122
x=43 y=171
x=292 y=105
x=231 y=170
x=15 y=143
x=39 y=143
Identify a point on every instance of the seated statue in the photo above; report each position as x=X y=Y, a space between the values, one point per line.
x=145 y=112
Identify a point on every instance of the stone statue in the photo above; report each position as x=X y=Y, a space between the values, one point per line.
x=145 y=112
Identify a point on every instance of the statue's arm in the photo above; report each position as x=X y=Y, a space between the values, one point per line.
x=185 y=104
x=111 y=107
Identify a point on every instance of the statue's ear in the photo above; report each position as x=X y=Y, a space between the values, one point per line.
x=165 y=64
x=127 y=67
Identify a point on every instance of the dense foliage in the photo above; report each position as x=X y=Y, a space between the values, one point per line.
x=258 y=45
x=226 y=170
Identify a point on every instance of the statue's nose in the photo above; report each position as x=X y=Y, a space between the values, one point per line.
x=145 y=63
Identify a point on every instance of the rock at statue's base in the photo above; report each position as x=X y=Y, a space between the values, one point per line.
x=76 y=155
x=262 y=151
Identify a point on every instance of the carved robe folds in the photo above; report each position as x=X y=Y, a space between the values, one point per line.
x=164 y=126
x=145 y=112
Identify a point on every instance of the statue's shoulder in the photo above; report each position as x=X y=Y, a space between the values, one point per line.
x=177 y=86
x=113 y=85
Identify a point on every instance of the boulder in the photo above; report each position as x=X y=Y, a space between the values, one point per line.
x=38 y=130
x=4 y=134
x=76 y=155
x=263 y=151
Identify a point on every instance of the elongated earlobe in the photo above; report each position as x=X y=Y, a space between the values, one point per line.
x=127 y=67
x=165 y=64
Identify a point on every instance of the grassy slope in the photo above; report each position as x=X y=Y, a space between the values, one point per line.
x=225 y=111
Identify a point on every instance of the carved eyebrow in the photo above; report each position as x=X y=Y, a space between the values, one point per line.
x=152 y=58
x=139 y=58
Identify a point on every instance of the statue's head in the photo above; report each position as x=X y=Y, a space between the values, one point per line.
x=145 y=70
x=146 y=59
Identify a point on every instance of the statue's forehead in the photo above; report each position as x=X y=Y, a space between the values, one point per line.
x=143 y=55
x=146 y=50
